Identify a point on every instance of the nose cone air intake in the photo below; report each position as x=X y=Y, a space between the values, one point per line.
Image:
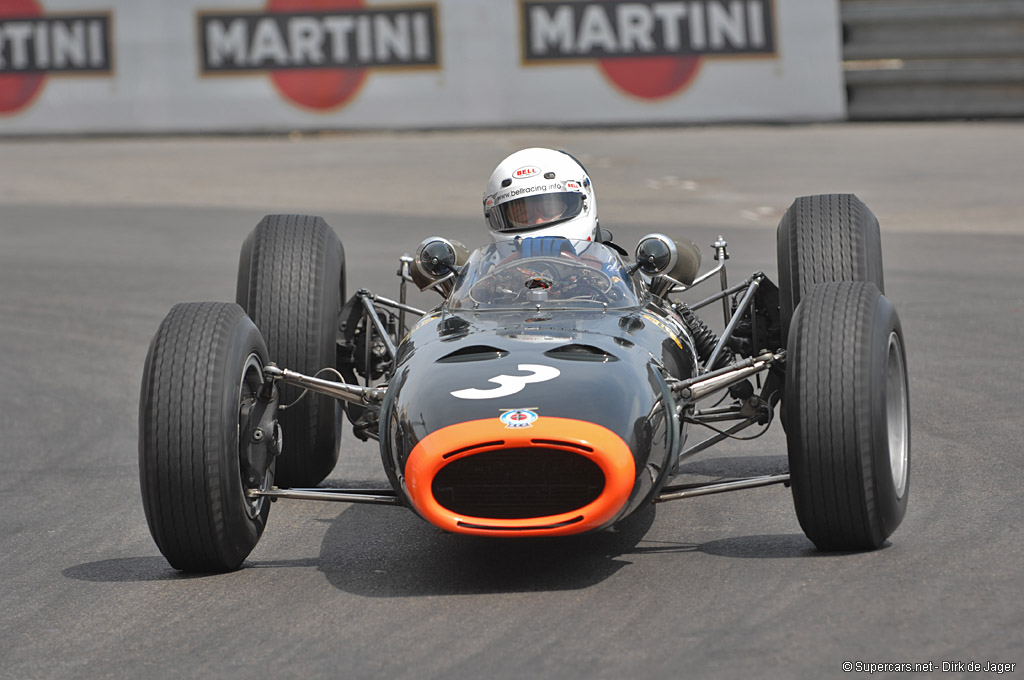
x=552 y=476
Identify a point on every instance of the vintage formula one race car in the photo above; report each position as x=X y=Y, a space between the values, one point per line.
x=553 y=391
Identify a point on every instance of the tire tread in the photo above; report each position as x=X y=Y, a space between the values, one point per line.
x=830 y=448
x=181 y=429
x=284 y=294
x=825 y=238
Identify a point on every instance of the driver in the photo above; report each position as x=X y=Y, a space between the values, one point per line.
x=544 y=202
x=541 y=193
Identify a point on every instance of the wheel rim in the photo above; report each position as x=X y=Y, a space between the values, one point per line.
x=897 y=415
x=248 y=388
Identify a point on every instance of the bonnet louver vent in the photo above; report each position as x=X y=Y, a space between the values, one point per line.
x=577 y=352
x=473 y=353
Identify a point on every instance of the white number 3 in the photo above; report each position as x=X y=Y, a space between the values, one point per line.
x=511 y=384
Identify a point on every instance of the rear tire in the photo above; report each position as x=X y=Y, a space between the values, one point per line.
x=847 y=416
x=824 y=238
x=205 y=360
x=291 y=282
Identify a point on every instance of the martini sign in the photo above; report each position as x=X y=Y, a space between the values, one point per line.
x=318 y=53
x=650 y=49
x=35 y=45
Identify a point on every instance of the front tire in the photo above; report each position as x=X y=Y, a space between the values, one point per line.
x=847 y=416
x=204 y=364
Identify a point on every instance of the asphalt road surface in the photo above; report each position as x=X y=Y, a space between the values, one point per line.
x=98 y=238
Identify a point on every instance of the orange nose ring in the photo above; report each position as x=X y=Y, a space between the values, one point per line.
x=596 y=443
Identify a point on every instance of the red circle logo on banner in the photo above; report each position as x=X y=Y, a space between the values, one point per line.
x=17 y=91
x=651 y=77
x=320 y=89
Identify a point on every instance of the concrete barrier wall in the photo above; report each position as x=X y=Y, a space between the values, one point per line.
x=116 y=66
x=920 y=59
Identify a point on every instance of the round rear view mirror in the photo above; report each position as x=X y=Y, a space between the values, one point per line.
x=655 y=254
x=435 y=258
x=659 y=255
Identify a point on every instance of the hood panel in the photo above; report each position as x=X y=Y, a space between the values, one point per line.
x=508 y=424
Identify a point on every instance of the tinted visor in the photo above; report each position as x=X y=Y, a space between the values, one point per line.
x=532 y=212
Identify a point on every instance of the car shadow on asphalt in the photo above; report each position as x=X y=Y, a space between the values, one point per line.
x=378 y=551
x=434 y=563
x=390 y=552
x=733 y=467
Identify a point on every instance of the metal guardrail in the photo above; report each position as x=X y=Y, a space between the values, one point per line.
x=933 y=58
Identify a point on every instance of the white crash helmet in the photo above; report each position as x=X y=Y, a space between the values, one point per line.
x=540 y=192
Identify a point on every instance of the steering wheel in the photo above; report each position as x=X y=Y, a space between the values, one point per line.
x=566 y=279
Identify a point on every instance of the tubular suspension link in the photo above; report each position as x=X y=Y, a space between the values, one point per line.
x=694 y=389
x=731 y=322
x=339 y=390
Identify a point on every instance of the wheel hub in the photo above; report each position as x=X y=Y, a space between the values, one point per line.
x=259 y=435
x=897 y=415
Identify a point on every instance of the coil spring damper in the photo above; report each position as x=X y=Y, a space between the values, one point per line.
x=703 y=337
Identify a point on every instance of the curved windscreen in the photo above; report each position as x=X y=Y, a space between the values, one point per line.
x=552 y=272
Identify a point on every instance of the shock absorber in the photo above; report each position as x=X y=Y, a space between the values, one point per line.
x=704 y=338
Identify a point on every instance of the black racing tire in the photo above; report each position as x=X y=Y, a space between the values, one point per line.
x=848 y=416
x=824 y=238
x=204 y=360
x=291 y=282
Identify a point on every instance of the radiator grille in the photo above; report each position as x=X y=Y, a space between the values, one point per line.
x=518 y=483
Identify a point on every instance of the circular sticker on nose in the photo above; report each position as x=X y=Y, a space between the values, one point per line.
x=519 y=417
